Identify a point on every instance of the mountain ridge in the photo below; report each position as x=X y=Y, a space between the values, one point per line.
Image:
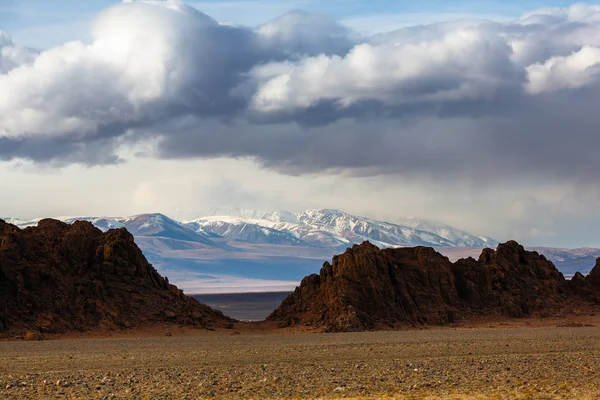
x=315 y=227
x=330 y=227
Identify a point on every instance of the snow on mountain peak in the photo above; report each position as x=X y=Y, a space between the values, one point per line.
x=461 y=238
x=333 y=228
x=275 y=216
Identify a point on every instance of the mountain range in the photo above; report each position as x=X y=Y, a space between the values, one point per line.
x=229 y=250
x=330 y=228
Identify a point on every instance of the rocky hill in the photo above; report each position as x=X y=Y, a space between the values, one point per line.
x=589 y=286
x=366 y=288
x=58 y=277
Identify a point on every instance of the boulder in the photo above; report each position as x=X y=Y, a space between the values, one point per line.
x=31 y=336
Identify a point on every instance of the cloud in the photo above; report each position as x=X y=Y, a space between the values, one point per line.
x=148 y=60
x=12 y=56
x=298 y=33
x=472 y=100
x=577 y=70
x=462 y=66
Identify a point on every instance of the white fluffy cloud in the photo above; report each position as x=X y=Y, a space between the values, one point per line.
x=147 y=59
x=545 y=51
x=299 y=33
x=462 y=65
x=570 y=72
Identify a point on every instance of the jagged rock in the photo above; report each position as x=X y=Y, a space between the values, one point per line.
x=593 y=279
x=366 y=287
x=577 y=282
x=591 y=289
x=58 y=277
x=587 y=287
x=509 y=280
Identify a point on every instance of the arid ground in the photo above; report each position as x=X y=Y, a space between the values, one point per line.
x=501 y=362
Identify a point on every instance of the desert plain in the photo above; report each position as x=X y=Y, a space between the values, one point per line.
x=523 y=359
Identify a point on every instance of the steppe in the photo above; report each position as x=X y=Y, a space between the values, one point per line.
x=523 y=360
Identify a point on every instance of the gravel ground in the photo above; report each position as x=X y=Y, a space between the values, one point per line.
x=545 y=363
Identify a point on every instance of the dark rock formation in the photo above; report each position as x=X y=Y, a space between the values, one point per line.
x=3 y=323
x=510 y=281
x=58 y=277
x=366 y=288
x=589 y=288
x=577 y=283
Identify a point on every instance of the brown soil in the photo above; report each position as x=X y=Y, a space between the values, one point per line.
x=519 y=363
x=582 y=316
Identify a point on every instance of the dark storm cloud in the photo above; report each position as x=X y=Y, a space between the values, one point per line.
x=60 y=152
x=541 y=139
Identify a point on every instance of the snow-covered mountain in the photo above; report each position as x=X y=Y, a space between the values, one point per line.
x=104 y=224
x=316 y=228
x=162 y=226
x=259 y=231
x=153 y=225
x=330 y=228
x=461 y=238
x=275 y=216
x=389 y=234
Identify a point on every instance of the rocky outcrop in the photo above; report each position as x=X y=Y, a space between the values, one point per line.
x=577 y=282
x=58 y=277
x=588 y=287
x=366 y=288
x=509 y=281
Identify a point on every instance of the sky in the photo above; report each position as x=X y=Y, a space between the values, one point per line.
x=478 y=114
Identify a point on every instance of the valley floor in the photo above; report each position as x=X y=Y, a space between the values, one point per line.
x=547 y=363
